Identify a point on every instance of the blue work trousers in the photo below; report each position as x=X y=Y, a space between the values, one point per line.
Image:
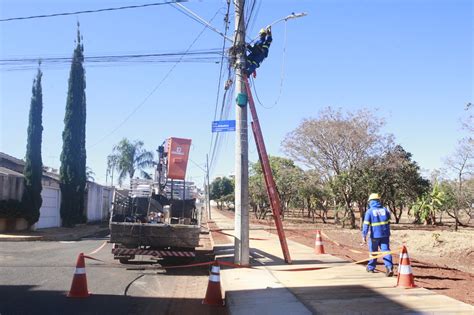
x=251 y=67
x=384 y=245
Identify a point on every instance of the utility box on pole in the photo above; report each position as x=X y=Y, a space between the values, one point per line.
x=241 y=245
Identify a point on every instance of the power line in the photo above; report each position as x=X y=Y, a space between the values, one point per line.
x=200 y=20
x=213 y=51
x=154 y=89
x=226 y=21
x=224 y=113
x=199 y=166
x=90 y=11
x=199 y=56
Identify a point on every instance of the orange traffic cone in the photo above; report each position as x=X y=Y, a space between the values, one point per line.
x=318 y=244
x=213 y=292
x=405 y=277
x=79 y=282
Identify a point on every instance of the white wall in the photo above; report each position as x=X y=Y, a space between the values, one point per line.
x=49 y=211
x=99 y=201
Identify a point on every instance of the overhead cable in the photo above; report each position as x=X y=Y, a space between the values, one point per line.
x=226 y=22
x=202 y=21
x=154 y=89
x=90 y=11
x=199 y=56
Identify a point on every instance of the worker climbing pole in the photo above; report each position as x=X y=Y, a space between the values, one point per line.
x=258 y=51
x=245 y=65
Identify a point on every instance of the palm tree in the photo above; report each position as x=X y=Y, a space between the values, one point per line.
x=111 y=166
x=128 y=158
x=90 y=174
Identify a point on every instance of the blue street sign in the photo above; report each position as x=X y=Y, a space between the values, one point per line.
x=223 y=125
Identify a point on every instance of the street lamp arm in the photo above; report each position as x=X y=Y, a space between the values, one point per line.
x=286 y=18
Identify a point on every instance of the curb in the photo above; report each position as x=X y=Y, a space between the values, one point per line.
x=73 y=236
x=21 y=238
x=53 y=238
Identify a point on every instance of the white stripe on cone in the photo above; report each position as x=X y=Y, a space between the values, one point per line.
x=215 y=269
x=80 y=271
x=318 y=243
x=404 y=255
x=214 y=278
x=405 y=270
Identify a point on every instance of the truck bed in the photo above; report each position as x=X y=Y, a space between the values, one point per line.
x=159 y=235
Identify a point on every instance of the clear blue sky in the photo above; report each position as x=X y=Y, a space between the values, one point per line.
x=409 y=59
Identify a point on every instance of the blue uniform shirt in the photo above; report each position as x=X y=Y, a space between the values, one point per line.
x=377 y=220
x=259 y=50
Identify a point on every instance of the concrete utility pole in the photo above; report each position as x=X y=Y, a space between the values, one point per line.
x=241 y=245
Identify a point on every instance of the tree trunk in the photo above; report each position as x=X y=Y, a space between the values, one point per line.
x=362 y=214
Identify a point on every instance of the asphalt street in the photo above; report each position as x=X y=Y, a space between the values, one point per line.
x=36 y=276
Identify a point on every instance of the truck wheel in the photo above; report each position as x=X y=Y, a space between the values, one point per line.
x=124 y=260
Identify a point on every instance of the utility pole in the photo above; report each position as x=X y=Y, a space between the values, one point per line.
x=241 y=244
x=208 y=199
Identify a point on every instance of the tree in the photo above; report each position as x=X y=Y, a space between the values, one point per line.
x=258 y=197
x=395 y=176
x=73 y=155
x=129 y=157
x=33 y=171
x=287 y=178
x=462 y=164
x=315 y=195
x=221 y=190
x=90 y=174
x=112 y=161
x=427 y=205
x=334 y=144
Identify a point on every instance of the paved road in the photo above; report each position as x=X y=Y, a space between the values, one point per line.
x=35 y=277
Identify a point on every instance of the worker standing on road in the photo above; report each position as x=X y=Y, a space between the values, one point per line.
x=259 y=51
x=377 y=220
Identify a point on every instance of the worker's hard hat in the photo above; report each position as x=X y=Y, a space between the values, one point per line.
x=374 y=196
x=262 y=32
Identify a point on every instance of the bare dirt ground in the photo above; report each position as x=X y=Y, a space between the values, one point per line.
x=442 y=260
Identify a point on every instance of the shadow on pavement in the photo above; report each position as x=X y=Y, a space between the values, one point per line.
x=269 y=259
x=345 y=299
x=24 y=299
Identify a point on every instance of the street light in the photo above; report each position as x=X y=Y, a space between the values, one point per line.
x=293 y=15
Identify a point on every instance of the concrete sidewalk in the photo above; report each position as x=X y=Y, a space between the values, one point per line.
x=57 y=234
x=344 y=288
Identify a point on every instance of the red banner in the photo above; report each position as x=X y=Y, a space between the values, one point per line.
x=178 y=153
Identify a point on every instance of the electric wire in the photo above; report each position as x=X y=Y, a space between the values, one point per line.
x=89 y=11
x=257 y=10
x=153 y=90
x=217 y=139
x=226 y=21
x=200 y=20
x=201 y=56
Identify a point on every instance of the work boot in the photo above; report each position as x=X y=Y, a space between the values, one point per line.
x=369 y=270
x=389 y=272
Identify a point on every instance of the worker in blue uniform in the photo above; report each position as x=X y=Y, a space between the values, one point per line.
x=259 y=50
x=377 y=220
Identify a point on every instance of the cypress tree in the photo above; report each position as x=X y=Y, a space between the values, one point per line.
x=73 y=155
x=33 y=171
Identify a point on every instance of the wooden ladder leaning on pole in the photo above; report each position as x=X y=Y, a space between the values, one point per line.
x=268 y=175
